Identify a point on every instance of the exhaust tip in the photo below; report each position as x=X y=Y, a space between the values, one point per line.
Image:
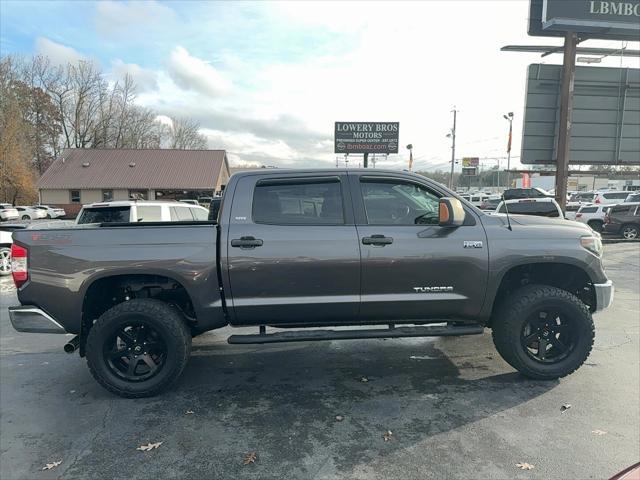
x=72 y=345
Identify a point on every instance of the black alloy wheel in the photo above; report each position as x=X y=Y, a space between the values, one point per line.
x=136 y=352
x=547 y=336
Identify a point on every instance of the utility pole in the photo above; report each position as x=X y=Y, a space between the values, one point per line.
x=564 y=124
x=509 y=118
x=453 y=147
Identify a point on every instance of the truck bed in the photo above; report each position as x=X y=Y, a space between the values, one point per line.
x=68 y=260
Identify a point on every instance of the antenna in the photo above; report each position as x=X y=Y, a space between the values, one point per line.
x=506 y=211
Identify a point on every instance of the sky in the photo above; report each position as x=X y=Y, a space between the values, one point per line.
x=267 y=80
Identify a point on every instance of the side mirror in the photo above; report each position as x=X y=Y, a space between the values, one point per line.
x=451 y=213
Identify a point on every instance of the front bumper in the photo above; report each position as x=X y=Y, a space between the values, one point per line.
x=28 y=318
x=604 y=295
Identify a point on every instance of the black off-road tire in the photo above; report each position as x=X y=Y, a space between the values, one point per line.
x=512 y=316
x=167 y=321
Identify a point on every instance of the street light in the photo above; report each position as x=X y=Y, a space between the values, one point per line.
x=509 y=117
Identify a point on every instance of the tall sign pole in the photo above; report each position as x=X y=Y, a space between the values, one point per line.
x=366 y=160
x=564 y=124
x=453 y=147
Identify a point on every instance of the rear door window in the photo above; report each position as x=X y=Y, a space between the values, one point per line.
x=588 y=209
x=181 y=214
x=199 y=214
x=105 y=215
x=304 y=203
x=149 y=213
x=615 y=195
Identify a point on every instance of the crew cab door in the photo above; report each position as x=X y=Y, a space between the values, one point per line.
x=411 y=267
x=292 y=250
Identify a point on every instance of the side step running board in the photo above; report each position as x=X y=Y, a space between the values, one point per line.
x=393 y=332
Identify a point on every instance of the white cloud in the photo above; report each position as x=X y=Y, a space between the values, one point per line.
x=58 y=54
x=144 y=79
x=131 y=20
x=192 y=73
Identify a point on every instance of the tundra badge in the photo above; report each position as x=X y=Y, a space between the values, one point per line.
x=472 y=244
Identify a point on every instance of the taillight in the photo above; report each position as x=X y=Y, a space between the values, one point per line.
x=578 y=215
x=19 y=270
x=598 y=200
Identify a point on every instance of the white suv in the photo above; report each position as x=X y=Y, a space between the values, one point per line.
x=610 y=197
x=592 y=215
x=141 y=211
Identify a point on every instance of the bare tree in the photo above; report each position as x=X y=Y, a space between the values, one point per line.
x=184 y=134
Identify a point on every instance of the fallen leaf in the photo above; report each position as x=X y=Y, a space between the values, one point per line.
x=364 y=379
x=44 y=363
x=598 y=432
x=339 y=418
x=149 y=446
x=525 y=466
x=189 y=412
x=250 y=457
x=72 y=391
x=49 y=466
x=565 y=407
x=387 y=435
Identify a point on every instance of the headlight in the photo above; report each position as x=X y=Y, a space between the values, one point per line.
x=593 y=243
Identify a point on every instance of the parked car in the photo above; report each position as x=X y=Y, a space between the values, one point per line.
x=205 y=201
x=8 y=212
x=478 y=198
x=584 y=197
x=610 y=197
x=623 y=220
x=491 y=203
x=314 y=248
x=592 y=215
x=571 y=210
x=522 y=193
x=632 y=197
x=30 y=213
x=51 y=212
x=190 y=202
x=540 y=207
x=140 y=211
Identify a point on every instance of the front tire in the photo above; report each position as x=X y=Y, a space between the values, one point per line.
x=543 y=332
x=138 y=348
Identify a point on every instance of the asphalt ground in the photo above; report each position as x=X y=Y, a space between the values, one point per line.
x=454 y=408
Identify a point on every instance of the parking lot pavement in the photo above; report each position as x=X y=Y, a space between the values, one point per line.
x=455 y=409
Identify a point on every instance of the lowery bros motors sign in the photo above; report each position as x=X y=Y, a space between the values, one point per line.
x=366 y=137
x=605 y=19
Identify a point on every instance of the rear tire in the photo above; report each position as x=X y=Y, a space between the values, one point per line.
x=138 y=348
x=630 y=231
x=543 y=332
x=596 y=225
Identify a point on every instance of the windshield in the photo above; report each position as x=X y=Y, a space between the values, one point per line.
x=105 y=215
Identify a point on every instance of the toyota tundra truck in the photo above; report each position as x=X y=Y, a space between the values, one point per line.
x=297 y=253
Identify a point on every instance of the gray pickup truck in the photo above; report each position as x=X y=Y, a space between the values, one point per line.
x=387 y=253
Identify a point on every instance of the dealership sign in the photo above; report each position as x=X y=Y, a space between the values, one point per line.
x=605 y=19
x=366 y=137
